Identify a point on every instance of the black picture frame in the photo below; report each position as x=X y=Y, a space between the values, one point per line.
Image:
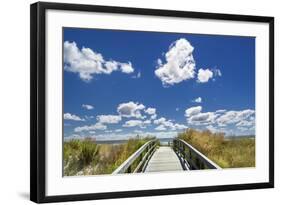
x=38 y=101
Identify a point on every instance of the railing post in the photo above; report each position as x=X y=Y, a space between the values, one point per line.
x=138 y=156
x=192 y=157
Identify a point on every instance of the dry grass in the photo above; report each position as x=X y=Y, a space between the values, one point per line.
x=85 y=157
x=227 y=153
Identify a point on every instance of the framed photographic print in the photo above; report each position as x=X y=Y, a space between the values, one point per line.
x=129 y=102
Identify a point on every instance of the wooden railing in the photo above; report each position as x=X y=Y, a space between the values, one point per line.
x=137 y=162
x=191 y=158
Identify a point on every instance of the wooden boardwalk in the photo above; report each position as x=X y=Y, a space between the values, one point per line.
x=164 y=159
x=178 y=156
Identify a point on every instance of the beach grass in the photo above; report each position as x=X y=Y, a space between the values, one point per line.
x=232 y=152
x=86 y=157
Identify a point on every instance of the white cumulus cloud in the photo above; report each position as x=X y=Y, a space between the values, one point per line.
x=153 y=117
x=245 y=123
x=179 y=65
x=134 y=123
x=203 y=76
x=88 y=63
x=150 y=111
x=220 y=111
x=197 y=100
x=193 y=111
x=179 y=127
x=202 y=118
x=109 y=119
x=231 y=117
x=159 y=121
x=164 y=124
x=126 y=67
x=220 y=118
x=147 y=122
x=88 y=107
x=97 y=126
x=160 y=128
x=131 y=109
x=68 y=116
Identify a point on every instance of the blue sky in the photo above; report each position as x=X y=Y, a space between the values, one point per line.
x=120 y=83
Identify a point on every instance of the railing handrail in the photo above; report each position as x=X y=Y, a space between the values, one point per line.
x=201 y=156
x=126 y=164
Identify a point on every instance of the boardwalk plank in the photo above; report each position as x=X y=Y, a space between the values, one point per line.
x=164 y=159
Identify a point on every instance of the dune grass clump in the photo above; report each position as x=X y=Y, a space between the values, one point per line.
x=227 y=153
x=86 y=157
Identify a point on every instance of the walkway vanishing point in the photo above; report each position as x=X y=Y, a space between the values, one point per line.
x=164 y=159
x=178 y=155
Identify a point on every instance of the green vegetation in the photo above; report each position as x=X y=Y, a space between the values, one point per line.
x=86 y=157
x=227 y=153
